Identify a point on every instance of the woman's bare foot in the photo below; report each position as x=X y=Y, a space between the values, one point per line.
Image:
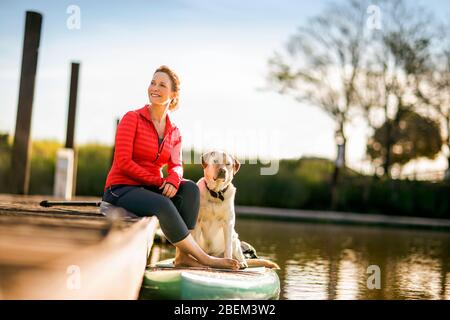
x=223 y=263
x=189 y=246
x=186 y=260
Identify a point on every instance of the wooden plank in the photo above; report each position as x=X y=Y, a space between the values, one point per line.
x=31 y=204
x=110 y=269
x=39 y=245
x=28 y=240
x=51 y=219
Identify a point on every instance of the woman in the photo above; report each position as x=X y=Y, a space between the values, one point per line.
x=146 y=140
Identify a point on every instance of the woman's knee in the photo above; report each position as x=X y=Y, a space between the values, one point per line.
x=189 y=187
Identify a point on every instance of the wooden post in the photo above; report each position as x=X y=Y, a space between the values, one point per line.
x=20 y=164
x=72 y=105
x=70 y=135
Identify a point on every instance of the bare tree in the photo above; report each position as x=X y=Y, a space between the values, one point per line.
x=321 y=65
x=398 y=55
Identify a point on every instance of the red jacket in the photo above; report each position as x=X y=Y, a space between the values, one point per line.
x=137 y=158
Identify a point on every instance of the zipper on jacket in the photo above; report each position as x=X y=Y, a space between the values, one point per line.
x=162 y=142
x=160 y=148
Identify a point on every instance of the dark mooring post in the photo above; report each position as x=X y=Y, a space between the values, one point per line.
x=20 y=164
x=70 y=135
x=72 y=105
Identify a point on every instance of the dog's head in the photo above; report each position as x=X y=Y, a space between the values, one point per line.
x=219 y=168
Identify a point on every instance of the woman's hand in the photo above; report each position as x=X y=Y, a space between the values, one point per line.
x=168 y=190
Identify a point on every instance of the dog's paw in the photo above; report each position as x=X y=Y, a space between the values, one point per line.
x=243 y=265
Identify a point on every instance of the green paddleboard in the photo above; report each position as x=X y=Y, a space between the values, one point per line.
x=166 y=282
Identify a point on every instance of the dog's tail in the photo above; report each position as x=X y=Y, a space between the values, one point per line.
x=262 y=263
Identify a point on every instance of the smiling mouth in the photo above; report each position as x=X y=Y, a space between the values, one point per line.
x=155 y=95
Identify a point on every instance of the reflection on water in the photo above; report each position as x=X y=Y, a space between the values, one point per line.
x=418 y=277
x=305 y=280
x=322 y=261
x=447 y=286
x=350 y=276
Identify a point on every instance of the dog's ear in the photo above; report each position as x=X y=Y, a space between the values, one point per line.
x=236 y=165
x=203 y=156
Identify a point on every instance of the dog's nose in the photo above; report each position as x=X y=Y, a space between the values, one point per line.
x=221 y=173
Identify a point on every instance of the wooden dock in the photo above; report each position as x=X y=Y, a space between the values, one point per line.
x=70 y=252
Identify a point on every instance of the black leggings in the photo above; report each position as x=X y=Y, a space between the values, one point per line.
x=176 y=215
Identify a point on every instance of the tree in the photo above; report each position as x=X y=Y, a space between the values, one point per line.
x=434 y=87
x=321 y=64
x=412 y=137
x=399 y=55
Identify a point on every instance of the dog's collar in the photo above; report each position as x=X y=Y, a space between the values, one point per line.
x=215 y=194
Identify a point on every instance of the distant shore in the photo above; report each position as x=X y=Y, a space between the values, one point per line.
x=342 y=218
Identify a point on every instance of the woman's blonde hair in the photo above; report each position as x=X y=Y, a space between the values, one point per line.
x=175 y=85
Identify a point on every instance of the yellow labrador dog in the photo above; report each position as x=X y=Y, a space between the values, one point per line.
x=214 y=231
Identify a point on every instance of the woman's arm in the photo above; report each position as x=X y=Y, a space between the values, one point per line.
x=125 y=135
x=175 y=164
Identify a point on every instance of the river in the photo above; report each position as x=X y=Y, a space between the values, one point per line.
x=328 y=261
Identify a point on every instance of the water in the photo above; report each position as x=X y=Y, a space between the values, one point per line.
x=323 y=261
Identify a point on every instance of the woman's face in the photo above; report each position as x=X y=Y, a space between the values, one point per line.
x=160 y=89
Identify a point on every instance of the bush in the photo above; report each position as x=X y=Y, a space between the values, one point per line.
x=42 y=166
x=5 y=158
x=94 y=162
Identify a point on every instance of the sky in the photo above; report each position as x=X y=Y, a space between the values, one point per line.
x=220 y=51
